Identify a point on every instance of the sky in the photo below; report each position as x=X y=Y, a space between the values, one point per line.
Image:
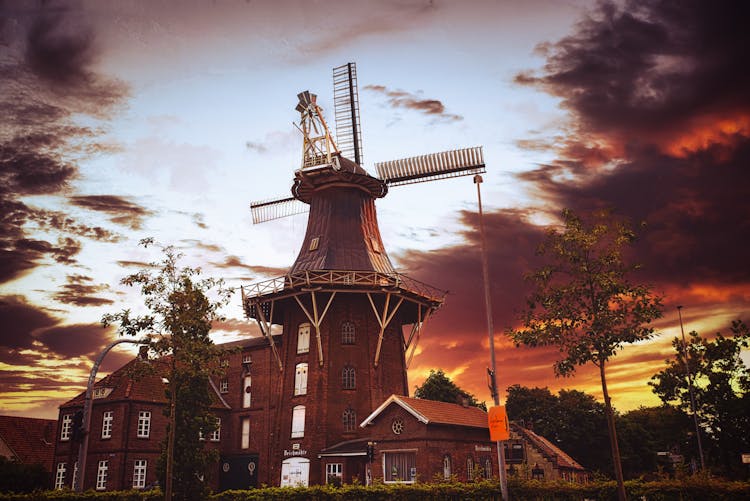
x=165 y=119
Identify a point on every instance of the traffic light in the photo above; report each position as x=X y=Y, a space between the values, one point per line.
x=77 y=429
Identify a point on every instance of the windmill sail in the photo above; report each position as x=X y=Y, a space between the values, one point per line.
x=443 y=165
x=267 y=210
x=346 y=112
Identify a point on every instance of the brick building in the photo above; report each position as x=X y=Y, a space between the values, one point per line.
x=301 y=408
x=28 y=440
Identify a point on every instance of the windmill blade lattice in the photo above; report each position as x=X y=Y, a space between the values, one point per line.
x=276 y=208
x=442 y=165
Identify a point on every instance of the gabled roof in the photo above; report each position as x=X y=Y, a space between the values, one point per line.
x=433 y=412
x=31 y=440
x=148 y=387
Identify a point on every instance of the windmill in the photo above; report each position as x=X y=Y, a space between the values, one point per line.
x=342 y=305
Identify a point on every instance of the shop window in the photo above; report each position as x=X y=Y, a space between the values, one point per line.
x=400 y=467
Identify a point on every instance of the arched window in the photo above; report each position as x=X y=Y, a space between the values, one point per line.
x=298 y=421
x=349 y=419
x=469 y=469
x=348 y=378
x=303 y=338
x=447 y=467
x=347 y=333
x=300 y=379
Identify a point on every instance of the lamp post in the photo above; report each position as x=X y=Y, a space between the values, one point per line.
x=491 y=334
x=87 y=402
x=690 y=390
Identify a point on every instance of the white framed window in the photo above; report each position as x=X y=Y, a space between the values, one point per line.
x=245 y=442
x=348 y=378
x=247 y=358
x=75 y=476
x=400 y=466
x=347 y=333
x=101 y=475
x=224 y=362
x=144 y=424
x=247 y=396
x=334 y=473
x=303 y=338
x=224 y=386
x=349 y=419
x=446 y=467
x=107 y=418
x=215 y=435
x=469 y=468
x=66 y=427
x=300 y=379
x=60 y=475
x=298 y=421
x=139 y=473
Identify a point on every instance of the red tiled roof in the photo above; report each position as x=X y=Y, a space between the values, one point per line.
x=430 y=411
x=32 y=440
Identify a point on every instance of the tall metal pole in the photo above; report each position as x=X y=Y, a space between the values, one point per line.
x=690 y=390
x=87 y=402
x=491 y=334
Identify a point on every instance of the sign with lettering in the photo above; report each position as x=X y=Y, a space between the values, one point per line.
x=498 y=423
x=295 y=452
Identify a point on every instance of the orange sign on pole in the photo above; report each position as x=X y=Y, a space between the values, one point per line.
x=498 y=423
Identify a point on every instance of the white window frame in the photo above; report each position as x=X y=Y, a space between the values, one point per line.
x=224 y=386
x=102 y=472
x=139 y=473
x=298 y=421
x=469 y=469
x=247 y=358
x=349 y=419
x=335 y=470
x=144 y=424
x=215 y=435
x=107 y=419
x=247 y=396
x=245 y=433
x=300 y=379
x=74 y=483
x=66 y=427
x=303 y=338
x=60 y=476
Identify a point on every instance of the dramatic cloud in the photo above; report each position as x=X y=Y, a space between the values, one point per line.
x=20 y=320
x=48 y=85
x=235 y=262
x=81 y=291
x=121 y=210
x=409 y=101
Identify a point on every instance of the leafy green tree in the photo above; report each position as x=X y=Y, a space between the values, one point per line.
x=439 y=387
x=181 y=308
x=20 y=477
x=721 y=383
x=584 y=303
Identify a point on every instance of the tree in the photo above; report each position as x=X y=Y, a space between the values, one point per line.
x=179 y=318
x=572 y=420
x=439 y=387
x=721 y=383
x=584 y=303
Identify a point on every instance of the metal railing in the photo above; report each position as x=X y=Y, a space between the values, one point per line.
x=348 y=279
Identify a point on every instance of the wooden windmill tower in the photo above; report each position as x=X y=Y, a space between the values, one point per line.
x=342 y=305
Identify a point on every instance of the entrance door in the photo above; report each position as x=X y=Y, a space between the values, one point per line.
x=239 y=472
x=295 y=472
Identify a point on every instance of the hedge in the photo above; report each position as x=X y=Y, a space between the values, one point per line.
x=687 y=489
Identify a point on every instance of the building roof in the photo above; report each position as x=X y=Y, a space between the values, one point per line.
x=433 y=412
x=550 y=450
x=31 y=440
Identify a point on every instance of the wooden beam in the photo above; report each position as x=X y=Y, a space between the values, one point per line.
x=383 y=320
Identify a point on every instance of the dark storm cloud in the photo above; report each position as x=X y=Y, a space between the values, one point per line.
x=68 y=341
x=20 y=320
x=121 y=210
x=407 y=100
x=81 y=291
x=47 y=82
x=657 y=93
